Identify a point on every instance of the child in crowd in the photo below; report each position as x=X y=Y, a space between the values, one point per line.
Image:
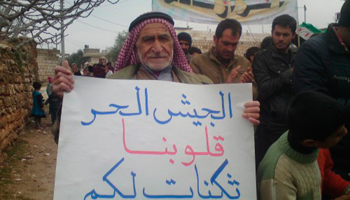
x=38 y=106
x=54 y=104
x=289 y=170
x=332 y=184
x=49 y=86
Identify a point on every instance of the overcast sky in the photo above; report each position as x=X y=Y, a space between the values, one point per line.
x=100 y=29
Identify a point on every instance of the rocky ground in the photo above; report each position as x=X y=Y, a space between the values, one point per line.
x=28 y=171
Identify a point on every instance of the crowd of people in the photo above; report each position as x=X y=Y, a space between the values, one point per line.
x=102 y=69
x=53 y=100
x=301 y=106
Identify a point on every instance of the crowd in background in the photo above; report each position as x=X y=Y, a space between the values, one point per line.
x=301 y=143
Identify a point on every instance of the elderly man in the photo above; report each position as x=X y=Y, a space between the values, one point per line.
x=151 y=52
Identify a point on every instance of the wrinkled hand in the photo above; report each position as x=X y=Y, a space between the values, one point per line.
x=252 y=112
x=247 y=76
x=232 y=75
x=344 y=197
x=63 y=80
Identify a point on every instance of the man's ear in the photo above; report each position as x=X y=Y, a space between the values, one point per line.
x=215 y=39
x=294 y=34
x=308 y=143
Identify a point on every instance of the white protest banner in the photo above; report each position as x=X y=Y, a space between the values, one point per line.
x=155 y=139
x=213 y=11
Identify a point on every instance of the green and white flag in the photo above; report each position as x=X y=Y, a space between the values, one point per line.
x=307 y=30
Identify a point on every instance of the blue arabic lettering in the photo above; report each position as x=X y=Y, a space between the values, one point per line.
x=229 y=104
x=146 y=101
x=138 y=104
x=178 y=196
x=209 y=192
x=95 y=112
x=209 y=112
x=94 y=195
x=216 y=174
x=119 y=108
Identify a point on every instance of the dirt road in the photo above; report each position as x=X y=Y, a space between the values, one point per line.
x=28 y=172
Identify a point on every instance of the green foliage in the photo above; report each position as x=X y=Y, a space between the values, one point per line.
x=18 y=58
x=113 y=52
x=76 y=58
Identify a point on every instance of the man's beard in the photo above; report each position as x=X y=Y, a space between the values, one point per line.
x=286 y=48
x=156 y=66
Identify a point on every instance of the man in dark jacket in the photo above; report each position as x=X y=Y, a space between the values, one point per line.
x=273 y=74
x=99 y=70
x=323 y=65
x=185 y=41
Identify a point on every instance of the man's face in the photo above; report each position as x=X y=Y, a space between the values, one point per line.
x=102 y=61
x=74 y=68
x=333 y=139
x=226 y=45
x=282 y=37
x=155 y=46
x=185 y=45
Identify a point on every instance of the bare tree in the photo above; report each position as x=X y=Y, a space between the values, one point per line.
x=40 y=19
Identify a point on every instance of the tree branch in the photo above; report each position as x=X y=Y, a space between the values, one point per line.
x=36 y=17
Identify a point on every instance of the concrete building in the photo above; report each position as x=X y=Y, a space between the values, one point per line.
x=47 y=60
x=92 y=55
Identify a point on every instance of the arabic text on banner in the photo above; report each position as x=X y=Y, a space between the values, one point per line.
x=155 y=140
x=213 y=11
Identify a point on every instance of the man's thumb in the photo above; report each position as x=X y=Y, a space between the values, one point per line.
x=65 y=64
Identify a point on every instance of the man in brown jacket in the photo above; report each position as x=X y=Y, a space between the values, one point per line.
x=220 y=63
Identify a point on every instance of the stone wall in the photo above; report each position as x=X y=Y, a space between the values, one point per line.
x=18 y=71
x=47 y=61
x=243 y=46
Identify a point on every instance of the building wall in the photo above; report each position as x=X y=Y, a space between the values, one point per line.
x=204 y=40
x=92 y=55
x=18 y=71
x=47 y=61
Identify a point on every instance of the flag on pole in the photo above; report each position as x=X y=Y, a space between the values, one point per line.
x=305 y=30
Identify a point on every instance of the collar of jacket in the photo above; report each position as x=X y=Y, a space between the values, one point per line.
x=183 y=76
x=213 y=57
x=276 y=54
x=333 y=42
